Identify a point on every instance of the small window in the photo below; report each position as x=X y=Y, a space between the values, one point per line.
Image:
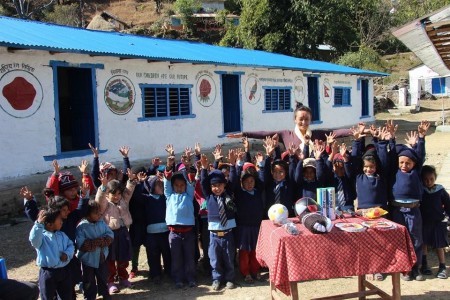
x=342 y=96
x=277 y=99
x=166 y=102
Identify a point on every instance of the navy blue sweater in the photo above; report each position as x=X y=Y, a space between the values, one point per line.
x=153 y=210
x=435 y=204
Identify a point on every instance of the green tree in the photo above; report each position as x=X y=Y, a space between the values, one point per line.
x=365 y=58
x=64 y=15
x=186 y=9
x=295 y=27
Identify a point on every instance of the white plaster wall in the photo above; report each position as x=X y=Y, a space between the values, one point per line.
x=27 y=140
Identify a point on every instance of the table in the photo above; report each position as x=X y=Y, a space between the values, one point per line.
x=309 y=256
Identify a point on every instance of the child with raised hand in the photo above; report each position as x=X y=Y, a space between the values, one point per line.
x=114 y=200
x=435 y=204
x=65 y=184
x=373 y=172
x=108 y=168
x=249 y=214
x=407 y=191
x=221 y=221
x=279 y=180
x=151 y=193
x=54 y=252
x=93 y=239
x=180 y=219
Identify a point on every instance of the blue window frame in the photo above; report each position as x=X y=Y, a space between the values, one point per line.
x=277 y=98
x=166 y=101
x=342 y=96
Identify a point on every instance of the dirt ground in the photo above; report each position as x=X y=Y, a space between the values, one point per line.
x=20 y=256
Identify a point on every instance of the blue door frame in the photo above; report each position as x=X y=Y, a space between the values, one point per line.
x=75 y=102
x=231 y=103
x=364 y=97
x=313 y=98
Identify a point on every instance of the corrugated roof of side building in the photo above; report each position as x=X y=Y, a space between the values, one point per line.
x=19 y=33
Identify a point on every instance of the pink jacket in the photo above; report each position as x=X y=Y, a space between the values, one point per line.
x=114 y=213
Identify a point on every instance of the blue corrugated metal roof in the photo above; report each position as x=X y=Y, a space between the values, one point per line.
x=45 y=36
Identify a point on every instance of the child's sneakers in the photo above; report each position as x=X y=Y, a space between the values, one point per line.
x=126 y=283
x=230 y=285
x=112 y=288
x=442 y=273
x=216 y=285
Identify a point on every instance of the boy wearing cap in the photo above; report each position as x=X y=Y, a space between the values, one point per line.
x=180 y=220
x=221 y=221
x=407 y=191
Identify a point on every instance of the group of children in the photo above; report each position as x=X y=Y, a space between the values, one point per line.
x=170 y=208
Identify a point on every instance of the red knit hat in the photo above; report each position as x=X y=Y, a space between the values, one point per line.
x=247 y=165
x=106 y=167
x=67 y=181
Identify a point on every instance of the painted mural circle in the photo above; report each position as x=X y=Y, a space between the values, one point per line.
x=326 y=91
x=299 y=90
x=206 y=90
x=119 y=94
x=21 y=93
x=252 y=89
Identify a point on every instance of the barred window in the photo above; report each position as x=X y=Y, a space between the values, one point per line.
x=342 y=96
x=166 y=101
x=277 y=99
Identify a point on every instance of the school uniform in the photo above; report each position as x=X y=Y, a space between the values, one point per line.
x=95 y=268
x=54 y=274
x=157 y=232
x=407 y=193
x=180 y=220
x=435 y=204
x=221 y=248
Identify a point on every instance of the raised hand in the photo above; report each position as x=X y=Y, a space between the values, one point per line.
x=197 y=149
x=275 y=139
x=94 y=150
x=331 y=138
x=103 y=179
x=141 y=176
x=423 y=128
x=124 y=150
x=269 y=145
x=55 y=165
x=26 y=193
x=188 y=151
x=292 y=149
x=240 y=154
x=83 y=167
x=391 y=127
x=412 y=138
x=170 y=149
x=217 y=152
x=232 y=156
x=343 y=151
x=384 y=134
x=318 y=150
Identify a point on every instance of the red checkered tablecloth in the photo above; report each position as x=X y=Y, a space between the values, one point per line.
x=309 y=256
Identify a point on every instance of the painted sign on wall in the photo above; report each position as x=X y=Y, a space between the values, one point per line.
x=326 y=90
x=299 y=89
x=119 y=94
x=205 y=88
x=252 y=89
x=21 y=92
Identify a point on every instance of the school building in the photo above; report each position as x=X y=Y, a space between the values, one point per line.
x=63 y=87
